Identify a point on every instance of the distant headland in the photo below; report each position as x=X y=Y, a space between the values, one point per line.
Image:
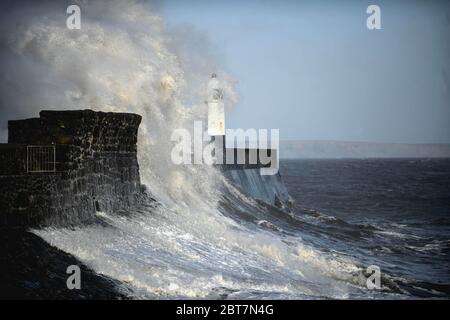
x=329 y=149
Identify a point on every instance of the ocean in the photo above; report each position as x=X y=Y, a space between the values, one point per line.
x=346 y=215
x=393 y=213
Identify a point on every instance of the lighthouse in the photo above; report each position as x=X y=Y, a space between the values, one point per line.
x=216 y=112
x=216 y=117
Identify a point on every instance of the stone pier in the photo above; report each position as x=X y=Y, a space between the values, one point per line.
x=83 y=161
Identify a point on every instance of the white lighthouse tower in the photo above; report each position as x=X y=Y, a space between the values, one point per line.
x=216 y=112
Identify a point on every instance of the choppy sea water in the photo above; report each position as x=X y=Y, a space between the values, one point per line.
x=347 y=215
x=391 y=213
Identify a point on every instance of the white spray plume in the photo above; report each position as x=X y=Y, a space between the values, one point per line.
x=123 y=59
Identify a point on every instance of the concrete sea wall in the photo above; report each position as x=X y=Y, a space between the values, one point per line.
x=268 y=188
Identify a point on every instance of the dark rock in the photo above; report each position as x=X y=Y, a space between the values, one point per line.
x=32 y=269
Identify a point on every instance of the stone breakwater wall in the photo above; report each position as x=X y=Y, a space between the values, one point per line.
x=95 y=168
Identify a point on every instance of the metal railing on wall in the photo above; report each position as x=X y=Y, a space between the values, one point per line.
x=41 y=159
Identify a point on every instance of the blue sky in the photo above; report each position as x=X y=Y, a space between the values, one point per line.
x=314 y=70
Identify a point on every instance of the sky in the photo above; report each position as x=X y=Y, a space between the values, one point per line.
x=315 y=71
